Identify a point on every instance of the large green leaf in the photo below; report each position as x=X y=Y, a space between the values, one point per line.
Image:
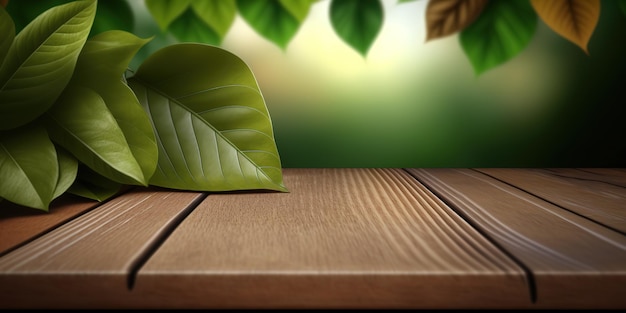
x=501 y=32
x=219 y=15
x=41 y=61
x=165 y=12
x=271 y=19
x=68 y=169
x=29 y=168
x=100 y=67
x=190 y=28
x=213 y=129
x=357 y=22
x=81 y=123
x=7 y=33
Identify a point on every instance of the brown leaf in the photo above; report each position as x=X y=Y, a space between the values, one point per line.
x=446 y=17
x=574 y=20
x=4 y=3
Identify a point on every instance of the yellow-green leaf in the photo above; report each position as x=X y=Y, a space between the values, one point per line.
x=446 y=17
x=81 y=123
x=100 y=67
x=212 y=126
x=41 y=61
x=219 y=15
x=165 y=12
x=574 y=20
x=298 y=8
x=29 y=168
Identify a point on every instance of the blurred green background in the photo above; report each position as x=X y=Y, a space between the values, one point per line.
x=411 y=103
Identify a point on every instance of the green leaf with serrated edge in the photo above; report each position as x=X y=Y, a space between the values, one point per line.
x=100 y=67
x=189 y=28
x=94 y=186
x=219 y=15
x=357 y=22
x=501 y=32
x=41 y=61
x=270 y=19
x=29 y=168
x=165 y=12
x=68 y=169
x=81 y=123
x=113 y=15
x=298 y=8
x=213 y=129
x=7 y=33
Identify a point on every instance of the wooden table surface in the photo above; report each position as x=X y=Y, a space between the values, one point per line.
x=427 y=238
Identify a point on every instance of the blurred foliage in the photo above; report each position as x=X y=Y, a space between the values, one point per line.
x=492 y=32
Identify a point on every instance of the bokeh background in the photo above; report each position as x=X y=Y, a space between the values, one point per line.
x=412 y=103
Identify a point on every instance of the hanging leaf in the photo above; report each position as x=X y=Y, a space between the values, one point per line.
x=357 y=22
x=189 y=28
x=41 y=61
x=68 y=169
x=7 y=33
x=165 y=12
x=81 y=123
x=100 y=67
x=213 y=129
x=502 y=31
x=574 y=20
x=219 y=15
x=298 y=8
x=447 y=17
x=271 y=19
x=29 y=168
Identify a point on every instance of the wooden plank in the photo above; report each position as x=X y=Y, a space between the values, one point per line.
x=341 y=238
x=575 y=262
x=596 y=196
x=19 y=224
x=87 y=262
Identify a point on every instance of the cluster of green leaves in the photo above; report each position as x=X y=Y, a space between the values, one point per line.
x=74 y=119
x=491 y=32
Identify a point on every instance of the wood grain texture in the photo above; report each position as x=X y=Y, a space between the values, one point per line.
x=575 y=262
x=20 y=224
x=87 y=261
x=601 y=198
x=341 y=238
